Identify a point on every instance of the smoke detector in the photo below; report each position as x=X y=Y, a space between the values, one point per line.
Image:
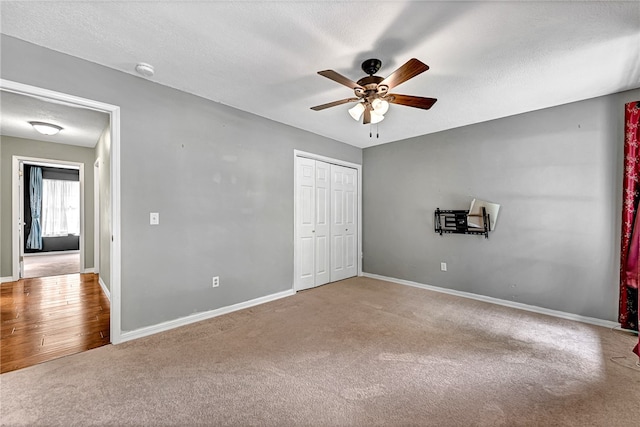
x=145 y=69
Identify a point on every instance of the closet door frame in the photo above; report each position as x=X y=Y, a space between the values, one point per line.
x=358 y=168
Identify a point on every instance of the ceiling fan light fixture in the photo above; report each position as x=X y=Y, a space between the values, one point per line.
x=372 y=92
x=376 y=117
x=356 y=111
x=380 y=106
x=46 y=128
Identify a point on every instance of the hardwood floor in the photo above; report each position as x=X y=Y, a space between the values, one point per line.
x=49 y=317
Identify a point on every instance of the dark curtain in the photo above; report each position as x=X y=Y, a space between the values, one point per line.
x=34 y=241
x=630 y=245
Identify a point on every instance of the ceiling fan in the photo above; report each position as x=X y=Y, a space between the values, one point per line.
x=372 y=92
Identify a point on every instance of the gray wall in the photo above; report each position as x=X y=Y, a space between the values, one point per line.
x=557 y=174
x=29 y=148
x=103 y=155
x=221 y=179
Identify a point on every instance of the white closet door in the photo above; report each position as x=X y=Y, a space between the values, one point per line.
x=323 y=224
x=344 y=222
x=312 y=223
x=305 y=223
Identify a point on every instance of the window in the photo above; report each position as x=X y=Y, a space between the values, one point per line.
x=60 y=207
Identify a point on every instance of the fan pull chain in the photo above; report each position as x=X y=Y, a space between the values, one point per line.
x=371 y=131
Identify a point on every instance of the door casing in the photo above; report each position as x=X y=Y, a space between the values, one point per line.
x=115 y=247
x=17 y=206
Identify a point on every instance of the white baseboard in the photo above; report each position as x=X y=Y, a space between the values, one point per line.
x=197 y=317
x=497 y=301
x=104 y=288
x=89 y=271
x=6 y=279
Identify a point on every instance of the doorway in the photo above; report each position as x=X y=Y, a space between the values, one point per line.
x=52 y=191
x=111 y=249
x=327 y=203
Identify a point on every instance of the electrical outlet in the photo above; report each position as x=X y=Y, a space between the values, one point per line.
x=443 y=266
x=216 y=282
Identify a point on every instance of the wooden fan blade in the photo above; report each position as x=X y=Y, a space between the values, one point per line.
x=330 y=74
x=411 y=101
x=409 y=70
x=334 y=103
x=367 y=115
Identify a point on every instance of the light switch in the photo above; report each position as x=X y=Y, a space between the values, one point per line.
x=154 y=218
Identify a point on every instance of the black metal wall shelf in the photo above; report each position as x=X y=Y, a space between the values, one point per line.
x=455 y=222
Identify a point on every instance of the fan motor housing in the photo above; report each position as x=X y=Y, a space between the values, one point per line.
x=370 y=84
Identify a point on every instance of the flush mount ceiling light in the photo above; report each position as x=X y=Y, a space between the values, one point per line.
x=145 y=69
x=46 y=128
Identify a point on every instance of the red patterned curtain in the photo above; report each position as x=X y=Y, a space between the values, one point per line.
x=630 y=248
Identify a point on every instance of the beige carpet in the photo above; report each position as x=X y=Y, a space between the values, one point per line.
x=51 y=265
x=358 y=352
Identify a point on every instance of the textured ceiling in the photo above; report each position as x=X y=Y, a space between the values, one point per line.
x=488 y=59
x=81 y=126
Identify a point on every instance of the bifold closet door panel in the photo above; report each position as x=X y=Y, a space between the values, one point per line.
x=322 y=223
x=305 y=223
x=312 y=223
x=344 y=222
